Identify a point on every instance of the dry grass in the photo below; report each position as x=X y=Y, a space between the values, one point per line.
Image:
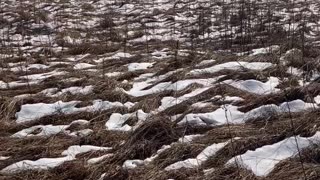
x=293 y=171
x=113 y=33
x=34 y=148
x=231 y=173
x=177 y=152
x=238 y=147
x=148 y=138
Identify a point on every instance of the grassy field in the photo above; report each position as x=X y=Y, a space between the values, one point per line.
x=159 y=89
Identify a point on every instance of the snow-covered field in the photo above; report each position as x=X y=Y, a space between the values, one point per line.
x=153 y=89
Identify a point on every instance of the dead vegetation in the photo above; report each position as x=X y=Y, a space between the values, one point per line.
x=176 y=38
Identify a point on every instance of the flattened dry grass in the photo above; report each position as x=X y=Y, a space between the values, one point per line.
x=177 y=152
x=231 y=172
x=293 y=170
x=148 y=138
x=33 y=148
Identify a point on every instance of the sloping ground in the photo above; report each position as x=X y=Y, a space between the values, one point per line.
x=159 y=90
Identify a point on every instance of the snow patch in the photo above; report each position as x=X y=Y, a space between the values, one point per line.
x=255 y=86
x=225 y=114
x=47 y=163
x=270 y=110
x=131 y=164
x=116 y=121
x=98 y=159
x=262 y=160
x=30 y=112
x=83 y=66
x=201 y=158
x=235 y=65
x=139 y=66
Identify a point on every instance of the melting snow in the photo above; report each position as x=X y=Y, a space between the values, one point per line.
x=255 y=86
x=47 y=163
x=118 y=55
x=262 y=161
x=296 y=106
x=189 y=138
x=270 y=110
x=265 y=50
x=98 y=159
x=317 y=99
x=40 y=164
x=42 y=76
x=2 y=158
x=52 y=92
x=73 y=151
x=83 y=66
x=139 y=66
x=235 y=65
x=113 y=74
x=205 y=62
x=49 y=130
x=30 y=112
x=225 y=114
x=46 y=130
x=29 y=67
x=201 y=158
x=116 y=120
x=167 y=102
x=131 y=164
x=138 y=88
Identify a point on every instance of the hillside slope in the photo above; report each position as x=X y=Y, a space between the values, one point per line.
x=159 y=89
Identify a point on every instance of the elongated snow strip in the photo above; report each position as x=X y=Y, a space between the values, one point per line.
x=263 y=160
x=201 y=158
x=47 y=163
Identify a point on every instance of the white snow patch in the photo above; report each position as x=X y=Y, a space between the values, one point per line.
x=42 y=76
x=47 y=163
x=40 y=164
x=317 y=99
x=169 y=101
x=255 y=86
x=264 y=111
x=138 y=87
x=265 y=50
x=118 y=55
x=73 y=151
x=113 y=74
x=201 y=158
x=139 y=66
x=205 y=62
x=49 y=130
x=83 y=66
x=131 y=164
x=46 y=130
x=270 y=110
x=296 y=106
x=225 y=114
x=98 y=159
x=52 y=92
x=2 y=158
x=82 y=133
x=28 y=67
x=116 y=121
x=234 y=65
x=31 y=112
x=262 y=160
x=189 y=138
